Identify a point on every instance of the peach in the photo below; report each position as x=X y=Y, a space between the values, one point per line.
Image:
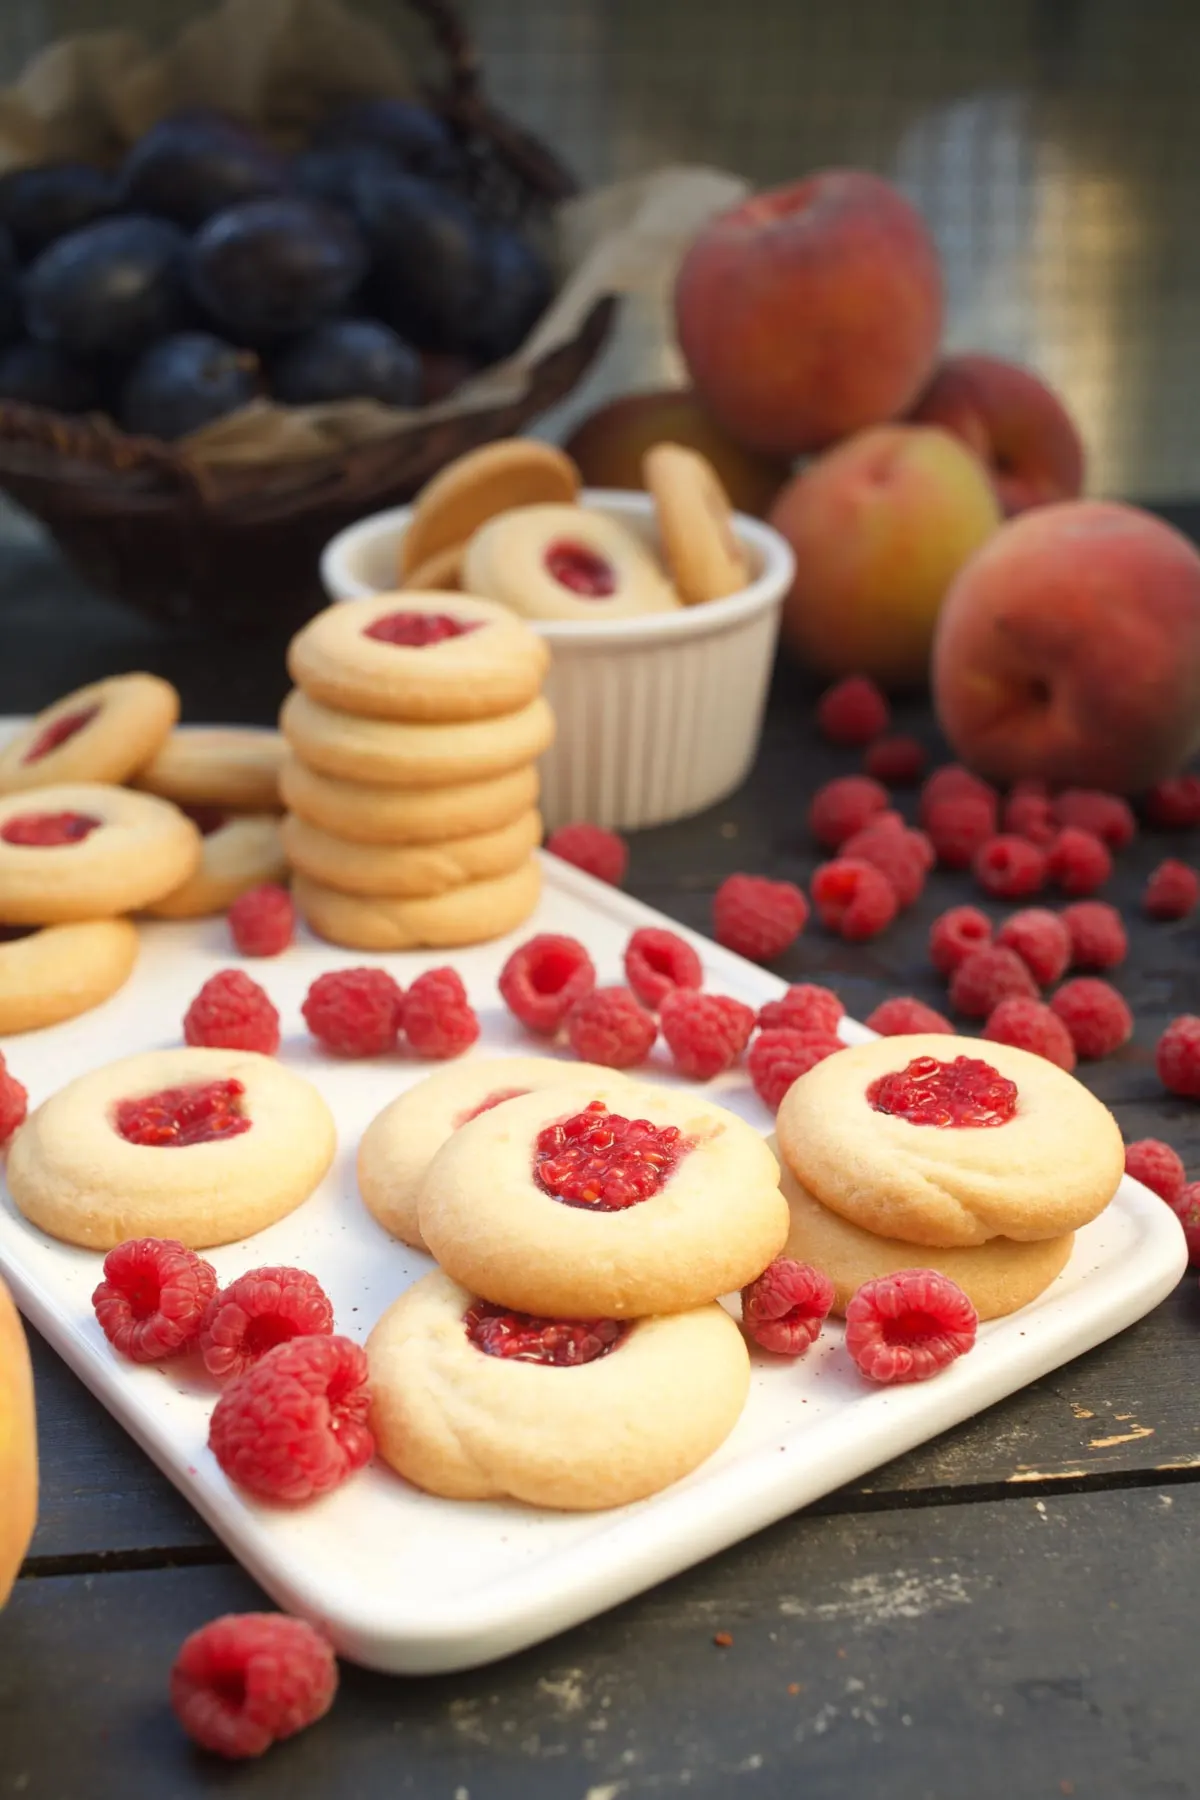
x=1069 y=648
x=880 y=527
x=810 y=311
x=18 y=1446
x=609 y=445
x=1013 y=421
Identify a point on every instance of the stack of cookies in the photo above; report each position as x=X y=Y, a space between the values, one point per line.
x=413 y=730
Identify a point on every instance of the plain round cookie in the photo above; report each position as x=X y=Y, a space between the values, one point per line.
x=479 y=484
x=73 y=1175
x=443 y=570
x=472 y=914
x=494 y=665
x=507 y=560
x=695 y=523
x=400 y=1142
x=388 y=752
x=141 y=849
x=217 y=765
x=62 y=971
x=119 y=725
x=379 y=815
x=457 y=1422
x=1050 y=1169
x=713 y=1226
x=241 y=853
x=416 y=871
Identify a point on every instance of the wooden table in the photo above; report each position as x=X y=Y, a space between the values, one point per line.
x=1008 y=1612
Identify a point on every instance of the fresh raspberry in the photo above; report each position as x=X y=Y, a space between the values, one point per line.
x=955 y=934
x=805 y=1007
x=605 y=1162
x=852 y=712
x=1172 y=890
x=542 y=980
x=1078 y=861
x=758 y=918
x=784 y=1309
x=1157 y=1167
x=896 y=761
x=355 y=1012
x=1187 y=1211
x=988 y=976
x=1041 y=939
x=1097 y=934
x=1030 y=1025
x=902 y=1015
x=1095 y=1015
x=153 y=1297
x=1106 y=816
x=556 y=1343
x=262 y=922
x=1177 y=1057
x=854 y=898
x=843 y=806
x=659 y=961
x=705 y=1033
x=908 y=1326
x=244 y=1681
x=437 y=1018
x=259 y=1310
x=953 y=782
x=14 y=1102
x=590 y=848
x=231 y=1012
x=959 y=827
x=1175 y=804
x=608 y=1026
x=295 y=1425
x=902 y=855
x=1028 y=813
x=1009 y=867
x=779 y=1057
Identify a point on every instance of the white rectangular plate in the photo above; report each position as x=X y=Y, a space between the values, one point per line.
x=412 y=1584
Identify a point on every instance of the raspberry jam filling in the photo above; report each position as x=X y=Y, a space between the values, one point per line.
x=558 y=1343
x=582 y=570
x=606 y=1163
x=48 y=831
x=496 y=1099
x=57 y=732
x=415 y=631
x=965 y=1092
x=206 y=819
x=176 y=1117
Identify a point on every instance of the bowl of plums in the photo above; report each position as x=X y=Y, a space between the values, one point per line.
x=224 y=336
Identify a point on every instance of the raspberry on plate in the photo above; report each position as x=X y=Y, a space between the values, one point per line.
x=852 y=712
x=1174 y=805
x=244 y=1681
x=593 y=849
x=294 y=1426
x=1097 y=934
x=262 y=921
x=909 y=1325
x=1042 y=941
x=1094 y=1013
x=657 y=962
x=1031 y=1025
x=543 y=978
x=854 y=898
x=780 y=1056
x=952 y=782
x=954 y=934
x=152 y=1300
x=1106 y=815
x=1009 y=867
x=902 y=1015
x=1078 y=861
x=14 y=1102
x=705 y=1033
x=896 y=761
x=803 y=1007
x=257 y=1311
x=902 y=855
x=783 y=1310
x=231 y=1012
x=1029 y=813
x=959 y=827
x=355 y=1012
x=757 y=918
x=1177 y=1057
x=843 y=806
x=437 y=1018
x=1187 y=1211
x=1157 y=1167
x=608 y=1026
x=988 y=976
x=1172 y=890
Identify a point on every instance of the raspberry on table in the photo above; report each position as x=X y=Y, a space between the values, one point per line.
x=854 y=898
x=902 y=1015
x=1029 y=813
x=1157 y=1167
x=1187 y=1211
x=610 y=1027
x=959 y=827
x=705 y=1033
x=1095 y=1014
x=780 y=1056
x=294 y=1426
x=1078 y=861
x=1097 y=934
x=231 y=1012
x=257 y=1311
x=804 y=1007
x=1172 y=890
x=244 y=1681
x=953 y=782
x=852 y=712
x=1177 y=1057
x=355 y=1012
x=896 y=761
x=152 y=1300
x=593 y=849
x=843 y=806
x=1041 y=939
x=900 y=854
x=1009 y=867
x=986 y=977
x=262 y=921
x=1106 y=815
x=14 y=1102
x=1174 y=805
x=758 y=918
x=657 y=961
x=543 y=978
x=783 y=1310
x=436 y=1017
x=954 y=934
x=909 y=1325
x=1031 y=1025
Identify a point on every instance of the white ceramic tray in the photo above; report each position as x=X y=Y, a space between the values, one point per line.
x=407 y=1583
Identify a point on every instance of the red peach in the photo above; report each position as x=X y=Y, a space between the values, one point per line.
x=1069 y=648
x=810 y=311
x=1013 y=422
x=609 y=445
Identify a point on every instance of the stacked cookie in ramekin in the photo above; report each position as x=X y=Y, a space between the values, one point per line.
x=414 y=729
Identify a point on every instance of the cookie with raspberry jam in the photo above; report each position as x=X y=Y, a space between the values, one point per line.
x=106 y=731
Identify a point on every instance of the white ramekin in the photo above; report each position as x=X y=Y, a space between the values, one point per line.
x=658 y=717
